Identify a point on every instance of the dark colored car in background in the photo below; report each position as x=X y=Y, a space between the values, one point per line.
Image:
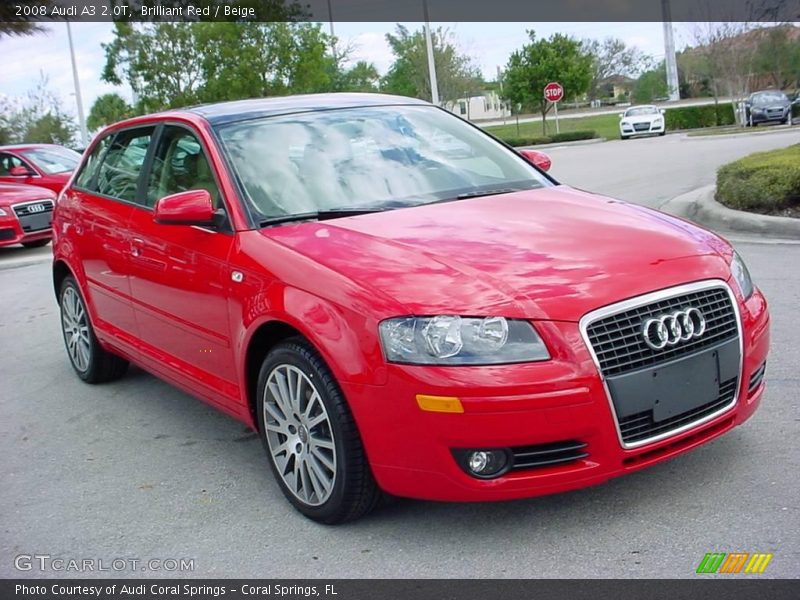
x=26 y=213
x=43 y=165
x=768 y=106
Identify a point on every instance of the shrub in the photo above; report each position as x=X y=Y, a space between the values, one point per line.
x=572 y=136
x=566 y=136
x=761 y=182
x=695 y=117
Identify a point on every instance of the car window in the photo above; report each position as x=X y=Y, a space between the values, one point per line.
x=86 y=175
x=119 y=171
x=368 y=157
x=8 y=162
x=770 y=98
x=180 y=164
x=641 y=110
x=53 y=160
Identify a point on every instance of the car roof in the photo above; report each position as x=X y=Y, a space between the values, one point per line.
x=21 y=147
x=241 y=110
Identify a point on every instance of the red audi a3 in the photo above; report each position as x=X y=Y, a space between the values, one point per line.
x=42 y=165
x=399 y=303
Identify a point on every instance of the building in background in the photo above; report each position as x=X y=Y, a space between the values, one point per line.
x=478 y=106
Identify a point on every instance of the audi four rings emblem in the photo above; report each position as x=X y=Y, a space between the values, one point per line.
x=671 y=329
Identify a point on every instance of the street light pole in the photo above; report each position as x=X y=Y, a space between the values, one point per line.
x=78 y=100
x=431 y=65
x=669 y=52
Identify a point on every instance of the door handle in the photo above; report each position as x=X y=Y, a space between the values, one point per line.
x=136 y=247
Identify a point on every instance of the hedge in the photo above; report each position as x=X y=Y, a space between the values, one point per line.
x=567 y=136
x=761 y=182
x=696 y=117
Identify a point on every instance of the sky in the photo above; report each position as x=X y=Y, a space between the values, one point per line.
x=27 y=59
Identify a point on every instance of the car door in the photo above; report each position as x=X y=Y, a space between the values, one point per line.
x=101 y=202
x=8 y=161
x=180 y=276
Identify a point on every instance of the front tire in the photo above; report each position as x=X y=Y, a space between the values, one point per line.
x=311 y=439
x=36 y=244
x=91 y=362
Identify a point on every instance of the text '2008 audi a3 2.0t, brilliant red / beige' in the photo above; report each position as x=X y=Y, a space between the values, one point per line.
x=399 y=303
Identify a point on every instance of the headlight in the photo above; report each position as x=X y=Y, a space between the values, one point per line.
x=3 y=213
x=625 y=124
x=453 y=340
x=658 y=121
x=742 y=276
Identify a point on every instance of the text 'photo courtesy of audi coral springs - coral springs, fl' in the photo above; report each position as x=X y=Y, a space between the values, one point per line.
x=400 y=304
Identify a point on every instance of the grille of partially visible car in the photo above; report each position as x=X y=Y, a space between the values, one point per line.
x=34 y=216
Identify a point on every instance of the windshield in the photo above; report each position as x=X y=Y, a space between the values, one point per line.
x=53 y=160
x=641 y=110
x=368 y=158
x=770 y=98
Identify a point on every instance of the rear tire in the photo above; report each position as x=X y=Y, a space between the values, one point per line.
x=312 y=442
x=91 y=362
x=36 y=244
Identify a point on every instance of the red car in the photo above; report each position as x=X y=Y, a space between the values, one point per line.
x=397 y=302
x=42 y=165
x=25 y=215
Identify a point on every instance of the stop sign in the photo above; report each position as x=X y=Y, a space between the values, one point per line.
x=553 y=92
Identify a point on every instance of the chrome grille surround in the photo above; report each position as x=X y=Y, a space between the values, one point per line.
x=639 y=301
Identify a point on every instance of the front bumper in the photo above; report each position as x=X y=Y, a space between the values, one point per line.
x=11 y=233
x=630 y=130
x=410 y=450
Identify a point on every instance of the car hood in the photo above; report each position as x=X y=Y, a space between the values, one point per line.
x=552 y=253
x=12 y=194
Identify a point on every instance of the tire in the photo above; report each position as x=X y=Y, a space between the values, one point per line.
x=663 y=133
x=624 y=137
x=312 y=442
x=91 y=362
x=36 y=244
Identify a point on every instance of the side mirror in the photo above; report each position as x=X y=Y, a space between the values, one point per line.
x=19 y=171
x=536 y=158
x=663 y=112
x=193 y=207
x=621 y=115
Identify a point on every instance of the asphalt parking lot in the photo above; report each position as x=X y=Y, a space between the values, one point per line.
x=137 y=469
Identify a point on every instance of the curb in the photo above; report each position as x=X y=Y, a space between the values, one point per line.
x=769 y=130
x=564 y=144
x=700 y=206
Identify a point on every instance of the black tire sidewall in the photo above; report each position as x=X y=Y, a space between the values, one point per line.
x=291 y=353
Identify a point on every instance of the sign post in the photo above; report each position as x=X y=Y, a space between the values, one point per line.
x=553 y=93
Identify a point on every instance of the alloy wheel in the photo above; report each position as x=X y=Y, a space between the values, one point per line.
x=75 y=325
x=299 y=435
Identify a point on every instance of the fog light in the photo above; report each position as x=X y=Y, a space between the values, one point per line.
x=485 y=463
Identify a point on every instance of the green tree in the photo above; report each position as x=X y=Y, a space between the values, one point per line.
x=361 y=77
x=559 y=58
x=651 y=84
x=51 y=128
x=612 y=57
x=778 y=56
x=107 y=109
x=11 y=25
x=456 y=74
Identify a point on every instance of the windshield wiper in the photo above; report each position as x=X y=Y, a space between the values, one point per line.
x=479 y=193
x=320 y=215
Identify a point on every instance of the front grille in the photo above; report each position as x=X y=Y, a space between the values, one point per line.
x=620 y=348
x=756 y=378
x=545 y=455
x=642 y=126
x=641 y=426
x=23 y=210
x=34 y=216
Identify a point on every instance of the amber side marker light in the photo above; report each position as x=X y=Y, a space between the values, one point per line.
x=443 y=404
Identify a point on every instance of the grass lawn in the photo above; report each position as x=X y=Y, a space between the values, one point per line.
x=606 y=126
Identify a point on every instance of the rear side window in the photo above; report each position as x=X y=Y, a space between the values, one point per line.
x=118 y=174
x=86 y=176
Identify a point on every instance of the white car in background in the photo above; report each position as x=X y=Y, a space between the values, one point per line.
x=641 y=120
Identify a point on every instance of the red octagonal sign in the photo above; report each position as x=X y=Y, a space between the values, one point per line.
x=553 y=92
